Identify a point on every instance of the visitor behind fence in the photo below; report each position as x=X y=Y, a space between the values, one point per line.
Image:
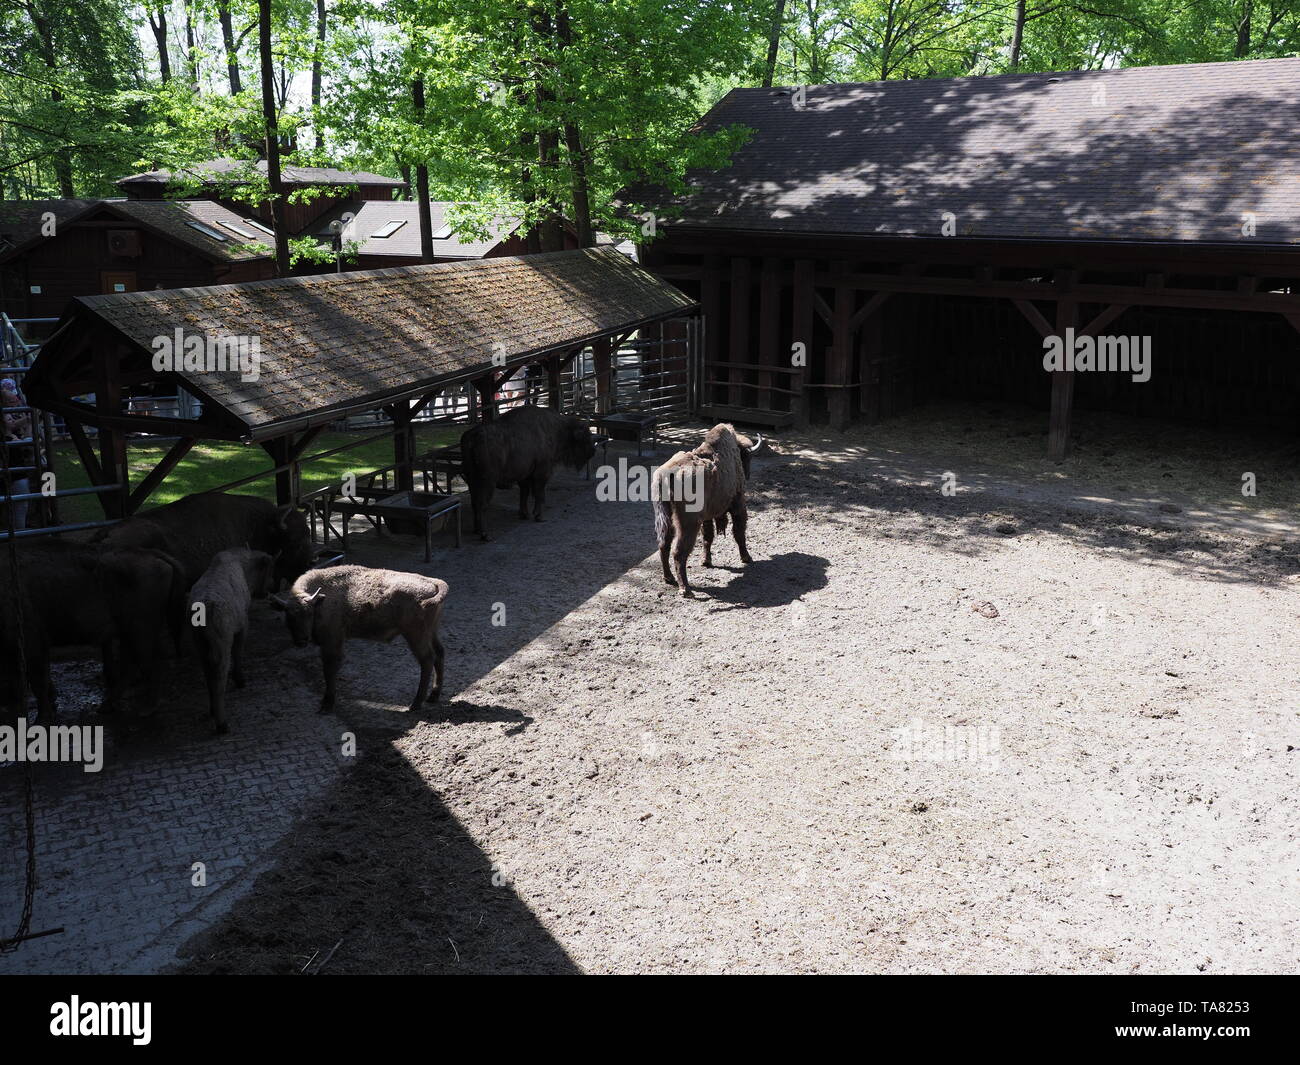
x=18 y=437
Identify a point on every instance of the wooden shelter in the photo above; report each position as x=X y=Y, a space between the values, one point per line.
x=330 y=345
x=872 y=244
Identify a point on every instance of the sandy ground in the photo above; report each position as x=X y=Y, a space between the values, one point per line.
x=1038 y=725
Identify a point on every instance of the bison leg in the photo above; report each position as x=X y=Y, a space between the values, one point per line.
x=216 y=664
x=480 y=500
x=437 y=667
x=330 y=659
x=113 y=680
x=423 y=655
x=683 y=545
x=739 y=519
x=237 y=659
x=524 y=486
x=539 y=497
x=707 y=529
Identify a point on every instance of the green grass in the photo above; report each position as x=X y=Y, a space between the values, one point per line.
x=211 y=463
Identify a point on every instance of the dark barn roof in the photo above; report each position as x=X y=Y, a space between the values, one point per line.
x=336 y=342
x=1170 y=154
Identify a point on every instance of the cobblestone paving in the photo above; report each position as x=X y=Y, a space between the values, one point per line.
x=116 y=848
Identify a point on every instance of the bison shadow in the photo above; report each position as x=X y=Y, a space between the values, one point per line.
x=463 y=712
x=769 y=582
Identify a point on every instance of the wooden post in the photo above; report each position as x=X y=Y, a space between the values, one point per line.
x=711 y=310
x=769 y=322
x=278 y=449
x=739 y=328
x=403 y=444
x=1058 y=431
x=601 y=357
x=554 y=393
x=803 y=298
x=841 y=353
x=112 y=442
x=486 y=387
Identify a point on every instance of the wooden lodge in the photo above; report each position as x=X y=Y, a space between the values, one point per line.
x=52 y=251
x=876 y=245
x=220 y=180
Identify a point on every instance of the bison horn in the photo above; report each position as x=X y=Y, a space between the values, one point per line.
x=756 y=446
x=314 y=595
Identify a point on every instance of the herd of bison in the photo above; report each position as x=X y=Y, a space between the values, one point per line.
x=198 y=563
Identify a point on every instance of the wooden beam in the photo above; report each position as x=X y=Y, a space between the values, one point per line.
x=1062 y=402
x=868 y=309
x=112 y=442
x=803 y=296
x=303 y=442
x=741 y=280
x=1102 y=320
x=87 y=453
x=155 y=477
x=602 y=360
x=769 y=322
x=1034 y=317
x=839 y=368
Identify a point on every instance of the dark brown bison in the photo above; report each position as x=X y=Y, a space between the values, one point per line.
x=73 y=595
x=699 y=489
x=194 y=529
x=522 y=447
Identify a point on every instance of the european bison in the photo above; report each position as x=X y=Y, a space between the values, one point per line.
x=73 y=595
x=522 y=447
x=192 y=530
x=328 y=606
x=223 y=595
x=700 y=488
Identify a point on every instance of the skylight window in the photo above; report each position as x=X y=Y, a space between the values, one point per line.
x=258 y=226
x=388 y=228
x=208 y=231
x=443 y=233
x=247 y=234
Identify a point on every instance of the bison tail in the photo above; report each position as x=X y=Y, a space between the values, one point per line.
x=663 y=521
x=720 y=523
x=178 y=606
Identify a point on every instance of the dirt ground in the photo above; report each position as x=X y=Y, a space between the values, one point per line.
x=1038 y=725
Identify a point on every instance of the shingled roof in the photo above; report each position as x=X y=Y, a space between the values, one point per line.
x=338 y=342
x=370 y=216
x=203 y=226
x=1177 y=153
x=220 y=170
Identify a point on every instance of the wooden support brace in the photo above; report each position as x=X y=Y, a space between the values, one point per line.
x=146 y=487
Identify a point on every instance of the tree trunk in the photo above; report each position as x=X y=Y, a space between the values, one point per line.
x=62 y=157
x=1019 y=36
x=577 y=152
x=191 y=49
x=160 y=39
x=422 y=178
x=228 y=42
x=272 y=139
x=774 y=43
x=1242 y=48
x=317 y=59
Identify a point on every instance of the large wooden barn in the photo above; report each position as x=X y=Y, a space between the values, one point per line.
x=921 y=239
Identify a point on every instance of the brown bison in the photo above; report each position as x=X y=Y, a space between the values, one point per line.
x=699 y=489
x=71 y=595
x=522 y=447
x=192 y=530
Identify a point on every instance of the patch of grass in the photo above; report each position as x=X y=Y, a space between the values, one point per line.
x=211 y=463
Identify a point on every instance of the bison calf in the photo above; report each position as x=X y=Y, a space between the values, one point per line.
x=700 y=489
x=219 y=603
x=521 y=447
x=328 y=606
